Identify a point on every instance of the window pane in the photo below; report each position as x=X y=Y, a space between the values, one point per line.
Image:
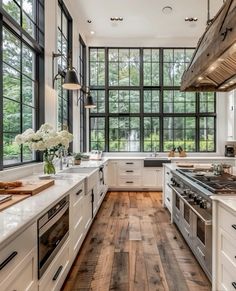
x=11 y=116
x=99 y=100
x=207 y=102
x=124 y=67
x=11 y=151
x=124 y=134
x=151 y=101
x=179 y=102
x=207 y=134
x=179 y=131
x=151 y=67
x=28 y=62
x=97 y=133
x=124 y=101
x=151 y=134
x=11 y=83
x=97 y=67
x=11 y=50
x=12 y=9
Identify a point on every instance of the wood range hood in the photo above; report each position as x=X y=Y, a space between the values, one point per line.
x=213 y=66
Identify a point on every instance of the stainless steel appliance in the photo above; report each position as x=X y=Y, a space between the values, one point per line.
x=53 y=230
x=192 y=208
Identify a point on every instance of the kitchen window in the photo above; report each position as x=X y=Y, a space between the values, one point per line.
x=82 y=79
x=138 y=98
x=21 y=83
x=64 y=47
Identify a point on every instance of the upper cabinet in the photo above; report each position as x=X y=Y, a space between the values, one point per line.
x=231 y=116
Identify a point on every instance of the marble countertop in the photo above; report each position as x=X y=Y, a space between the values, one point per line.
x=169 y=158
x=228 y=201
x=16 y=218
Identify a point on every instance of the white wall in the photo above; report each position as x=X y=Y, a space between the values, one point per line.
x=50 y=47
x=78 y=23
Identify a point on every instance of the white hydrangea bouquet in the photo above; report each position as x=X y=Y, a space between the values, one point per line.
x=47 y=140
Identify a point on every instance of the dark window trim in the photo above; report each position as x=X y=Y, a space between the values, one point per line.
x=197 y=114
x=7 y=21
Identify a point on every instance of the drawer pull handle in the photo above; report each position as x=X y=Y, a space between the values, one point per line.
x=79 y=192
x=101 y=193
x=57 y=273
x=168 y=199
x=129 y=163
x=234 y=285
x=234 y=226
x=129 y=171
x=129 y=182
x=201 y=253
x=4 y=263
x=167 y=173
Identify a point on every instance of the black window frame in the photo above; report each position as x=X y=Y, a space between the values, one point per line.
x=197 y=114
x=83 y=82
x=69 y=94
x=36 y=44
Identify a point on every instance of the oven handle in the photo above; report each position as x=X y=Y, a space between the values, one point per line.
x=53 y=220
x=207 y=222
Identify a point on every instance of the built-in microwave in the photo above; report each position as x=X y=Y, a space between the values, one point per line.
x=53 y=230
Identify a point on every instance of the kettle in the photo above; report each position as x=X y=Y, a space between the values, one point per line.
x=218 y=169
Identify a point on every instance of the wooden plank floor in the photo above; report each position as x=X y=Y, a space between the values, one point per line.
x=132 y=246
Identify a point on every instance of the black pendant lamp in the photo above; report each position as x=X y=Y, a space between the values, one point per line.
x=88 y=102
x=71 y=81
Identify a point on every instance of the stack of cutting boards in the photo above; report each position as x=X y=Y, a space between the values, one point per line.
x=27 y=189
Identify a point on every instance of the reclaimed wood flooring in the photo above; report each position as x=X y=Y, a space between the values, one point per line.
x=133 y=246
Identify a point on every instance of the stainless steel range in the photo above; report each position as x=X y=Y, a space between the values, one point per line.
x=192 y=208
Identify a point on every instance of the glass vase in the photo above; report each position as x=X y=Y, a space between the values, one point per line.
x=48 y=167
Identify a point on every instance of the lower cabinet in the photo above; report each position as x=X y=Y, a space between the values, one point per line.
x=24 y=276
x=131 y=174
x=224 y=248
x=152 y=177
x=56 y=273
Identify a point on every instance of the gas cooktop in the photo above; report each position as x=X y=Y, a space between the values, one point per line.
x=224 y=183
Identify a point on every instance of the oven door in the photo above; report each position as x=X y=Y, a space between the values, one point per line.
x=203 y=243
x=51 y=237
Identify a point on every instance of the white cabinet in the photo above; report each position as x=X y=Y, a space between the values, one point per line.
x=167 y=191
x=224 y=248
x=77 y=220
x=112 y=173
x=56 y=273
x=152 y=177
x=18 y=261
x=231 y=116
x=131 y=174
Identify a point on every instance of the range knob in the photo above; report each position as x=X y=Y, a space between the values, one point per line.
x=198 y=200
x=203 y=204
x=190 y=195
x=195 y=196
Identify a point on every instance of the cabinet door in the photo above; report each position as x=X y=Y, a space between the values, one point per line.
x=112 y=174
x=152 y=177
x=87 y=210
x=231 y=116
x=24 y=276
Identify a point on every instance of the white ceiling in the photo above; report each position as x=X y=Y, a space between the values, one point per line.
x=144 y=19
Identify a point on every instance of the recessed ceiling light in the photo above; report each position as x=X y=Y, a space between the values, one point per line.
x=116 y=18
x=92 y=32
x=191 y=19
x=89 y=21
x=167 y=10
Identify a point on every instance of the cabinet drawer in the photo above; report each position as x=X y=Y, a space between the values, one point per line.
x=24 y=276
x=77 y=194
x=130 y=164
x=57 y=271
x=12 y=254
x=130 y=182
x=227 y=221
x=228 y=275
x=227 y=246
x=129 y=172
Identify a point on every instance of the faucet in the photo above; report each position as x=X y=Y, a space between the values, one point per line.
x=154 y=154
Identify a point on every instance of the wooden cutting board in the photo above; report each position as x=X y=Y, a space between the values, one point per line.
x=31 y=188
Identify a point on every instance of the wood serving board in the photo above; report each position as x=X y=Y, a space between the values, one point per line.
x=31 y=188
x=15 y=199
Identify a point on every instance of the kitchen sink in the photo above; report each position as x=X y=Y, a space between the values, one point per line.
x=79 y=170
x=155 y=161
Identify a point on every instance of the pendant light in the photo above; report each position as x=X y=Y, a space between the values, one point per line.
x=71 y=80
